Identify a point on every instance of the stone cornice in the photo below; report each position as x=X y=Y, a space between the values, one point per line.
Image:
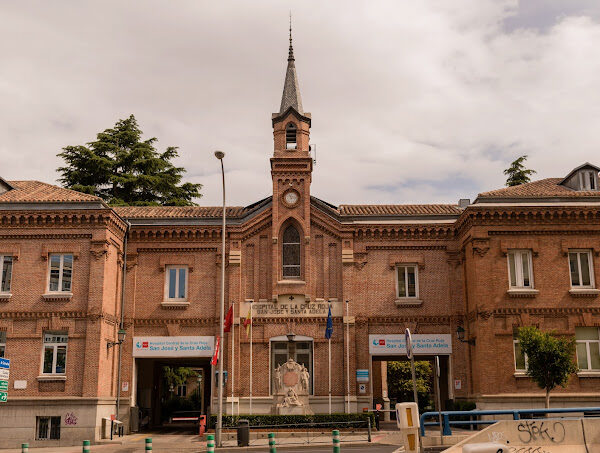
x=47 y=236
x=525 y=215
x=404 y=232
x=106 y=218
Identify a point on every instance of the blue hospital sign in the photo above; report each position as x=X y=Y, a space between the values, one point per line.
x=423 y=344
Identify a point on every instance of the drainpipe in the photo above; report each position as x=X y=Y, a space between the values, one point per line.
x=123 y=280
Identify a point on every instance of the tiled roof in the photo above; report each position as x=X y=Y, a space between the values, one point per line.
x=399 y=210
x=40 y=192
x=188 y=212
x=544 y=188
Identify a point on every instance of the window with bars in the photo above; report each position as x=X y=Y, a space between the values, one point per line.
x=6 y=263
x=588 y=348
x=407 y=280
x=291 y=253
x=300 y=351
x=2 y=343
x=520 y=269
x=580 y=267
x=47 y=428
x=60 y=273
x=54 y=359
x=176 y=283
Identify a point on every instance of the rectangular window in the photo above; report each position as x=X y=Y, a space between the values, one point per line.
x=6 y=263
x=176 y=283
x=61 y=272
x=520 y=356
x=2 y=343
x=54 y=359
x=182 y=390
x=48 y=428
x=407 y=281
x=588 y=348
x=580 y=266
x=520 y=269
x=587 y=180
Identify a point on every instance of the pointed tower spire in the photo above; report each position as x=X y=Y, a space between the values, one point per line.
x=291 y=89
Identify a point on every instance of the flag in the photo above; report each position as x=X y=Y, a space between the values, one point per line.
x=215 y=357
x=329 y=329
x=248 y=321
x=228 y=320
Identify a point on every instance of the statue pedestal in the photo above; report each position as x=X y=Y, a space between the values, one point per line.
x=293 y=410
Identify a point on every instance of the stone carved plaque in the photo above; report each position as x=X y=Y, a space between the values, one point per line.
x=296 y=307
x=291 y=388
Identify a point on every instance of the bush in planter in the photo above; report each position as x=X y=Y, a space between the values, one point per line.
x=291 y=420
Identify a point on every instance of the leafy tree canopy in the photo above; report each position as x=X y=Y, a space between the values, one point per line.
x=550 y=359
x=123 y=169
x=517 y=173
x=400 y=385
x=175 y=376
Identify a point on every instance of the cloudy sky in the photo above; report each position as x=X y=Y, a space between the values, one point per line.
x=412 y=102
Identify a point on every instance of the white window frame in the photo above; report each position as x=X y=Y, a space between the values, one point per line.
x=519 y=370
x=590 y=264
x=12 y=263
x=61 y=272
x=397 y=269
x=519 y=278
x=589 y=355
x=585 y=177
x=61 y=340
x=167 y=281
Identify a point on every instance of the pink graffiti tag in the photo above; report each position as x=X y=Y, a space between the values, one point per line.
x=70 y=419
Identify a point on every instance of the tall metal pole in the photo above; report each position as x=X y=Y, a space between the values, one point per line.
x=232 y=355
x=329 y=353
x=220 y=155
x=121 y=327
x=251 y=322
x=348 y=354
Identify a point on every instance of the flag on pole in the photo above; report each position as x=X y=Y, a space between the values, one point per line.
x=248 y=321
x=329 y=329
x=215 y=357
x=228 y=319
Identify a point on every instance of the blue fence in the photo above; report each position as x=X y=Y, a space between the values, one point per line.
x=517 y=414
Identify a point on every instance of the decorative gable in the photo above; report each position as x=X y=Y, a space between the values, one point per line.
x=4 y=186
x=582 y=178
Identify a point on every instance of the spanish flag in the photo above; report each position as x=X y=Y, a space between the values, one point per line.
x=248 y=321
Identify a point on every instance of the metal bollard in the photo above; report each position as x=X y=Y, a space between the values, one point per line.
x=148 y=443
x=336 y=441
x=86 y=446
x=272 y=447
x=210 y=444
x=24 y=448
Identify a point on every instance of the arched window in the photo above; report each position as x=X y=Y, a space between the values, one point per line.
x=291 y=253
x=290 y=136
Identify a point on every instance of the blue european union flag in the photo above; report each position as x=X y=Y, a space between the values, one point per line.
x=329 y=329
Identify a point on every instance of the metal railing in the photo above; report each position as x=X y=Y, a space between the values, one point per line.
x=309 y=433
x=517 y=414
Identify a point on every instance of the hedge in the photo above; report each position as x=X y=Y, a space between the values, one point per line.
x=304 y=420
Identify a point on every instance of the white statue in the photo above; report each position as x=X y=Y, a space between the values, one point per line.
x=291 y=399
x=304 y=382
x=277 y=383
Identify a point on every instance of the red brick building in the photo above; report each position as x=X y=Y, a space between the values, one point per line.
x=525 y=255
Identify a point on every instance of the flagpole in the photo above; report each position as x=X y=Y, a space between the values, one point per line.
x=232 y=355
x=329 y=341
x=348 y=353
x=251 y=357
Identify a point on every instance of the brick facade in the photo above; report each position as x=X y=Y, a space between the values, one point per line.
x=349 y=257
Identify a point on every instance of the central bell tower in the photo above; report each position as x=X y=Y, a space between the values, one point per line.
x=291 y=170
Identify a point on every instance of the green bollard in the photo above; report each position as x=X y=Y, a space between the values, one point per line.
x=86 y=446
x=210 y=444
x=336 y=441
x=24 y=448
x=148 y=443
x=272 y=447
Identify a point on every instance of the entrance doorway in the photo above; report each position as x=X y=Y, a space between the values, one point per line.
x=171 y=388
x=392 y=379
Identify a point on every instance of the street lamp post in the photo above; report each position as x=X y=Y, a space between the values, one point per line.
x=220 y=155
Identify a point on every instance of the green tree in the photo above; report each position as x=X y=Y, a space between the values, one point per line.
x=400 y=385
x=123 y=169
x=550 y=358
x=176 y=376
x=517 y=173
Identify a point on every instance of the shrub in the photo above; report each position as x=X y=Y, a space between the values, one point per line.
x=306 y=421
